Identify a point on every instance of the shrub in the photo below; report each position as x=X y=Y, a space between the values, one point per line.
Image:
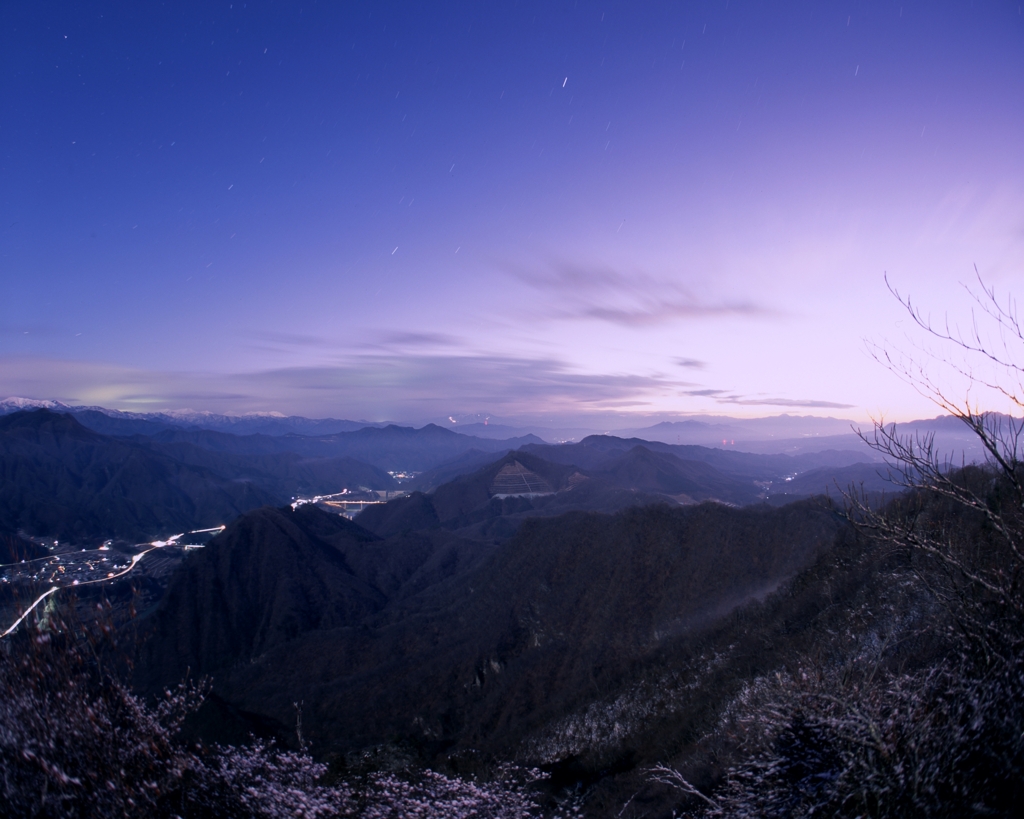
x=75 y=742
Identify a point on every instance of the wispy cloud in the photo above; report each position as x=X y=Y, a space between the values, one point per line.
x=727 y=397
x=429 y=383
x=420 y=340
x=375 y=340
x=635 y=299
x=808 y=403
x=366 y=386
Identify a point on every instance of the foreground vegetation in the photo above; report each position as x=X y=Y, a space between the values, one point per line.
x=75 y=742
x=923 y=715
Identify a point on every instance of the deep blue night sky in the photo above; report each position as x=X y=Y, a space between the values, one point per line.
x=409 y=211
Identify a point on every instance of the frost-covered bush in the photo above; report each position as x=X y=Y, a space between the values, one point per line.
x=945 y=736
x=263 y=782
x=75 y=742
x=945 y=741
x=429 y=794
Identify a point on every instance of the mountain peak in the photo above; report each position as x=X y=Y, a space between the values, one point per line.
x=14 y=403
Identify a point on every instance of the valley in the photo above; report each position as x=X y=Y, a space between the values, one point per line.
x=590 y=610
x=201 y=478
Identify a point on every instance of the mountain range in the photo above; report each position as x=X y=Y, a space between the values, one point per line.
x=447 y=642
x=63 y=480
x=590 y=644
x=69 y=482
x=120 y=422
x=780 y=434
x=588 y=608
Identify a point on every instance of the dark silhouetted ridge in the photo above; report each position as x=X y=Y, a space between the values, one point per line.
x=640 y=468
x=60 y=479
x=461 y=643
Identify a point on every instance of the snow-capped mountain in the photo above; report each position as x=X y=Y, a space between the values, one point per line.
x=120 y=422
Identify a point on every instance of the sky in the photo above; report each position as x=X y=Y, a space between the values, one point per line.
x=549 y=210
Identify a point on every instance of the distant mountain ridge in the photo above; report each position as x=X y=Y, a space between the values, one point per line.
x=777 y=434
x=386 y=446
x=493 y=501
x=257 y=469
x=58 y=478
x=595 y=450
x=391 y=447
x=119 y=422
x=482 y=498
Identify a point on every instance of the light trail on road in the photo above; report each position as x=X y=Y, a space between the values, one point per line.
x=51 y=558
x=28 y=611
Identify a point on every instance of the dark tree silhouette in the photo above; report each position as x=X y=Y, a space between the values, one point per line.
x=942 y=735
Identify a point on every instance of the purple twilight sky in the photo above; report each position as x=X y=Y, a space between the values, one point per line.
x=410 y=211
